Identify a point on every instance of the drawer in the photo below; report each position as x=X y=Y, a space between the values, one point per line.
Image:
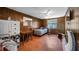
x=15 y=31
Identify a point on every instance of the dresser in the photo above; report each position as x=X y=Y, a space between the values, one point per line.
x=9 y=27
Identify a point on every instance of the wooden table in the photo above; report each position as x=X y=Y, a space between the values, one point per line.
x=23 y=33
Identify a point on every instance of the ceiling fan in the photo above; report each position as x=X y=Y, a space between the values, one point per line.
x=47 y=12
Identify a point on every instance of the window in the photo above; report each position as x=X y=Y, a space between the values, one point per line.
x=52 y=24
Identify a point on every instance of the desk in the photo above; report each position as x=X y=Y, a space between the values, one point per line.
x=28 y=33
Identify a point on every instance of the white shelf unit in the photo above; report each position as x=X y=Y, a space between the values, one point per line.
x=9 y=27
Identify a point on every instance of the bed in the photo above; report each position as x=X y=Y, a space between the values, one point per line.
x=40 y=31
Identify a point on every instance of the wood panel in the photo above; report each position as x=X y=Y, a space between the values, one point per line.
x=61 y=24
x=15 y=15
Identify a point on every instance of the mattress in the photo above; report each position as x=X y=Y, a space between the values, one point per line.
x=40 y=31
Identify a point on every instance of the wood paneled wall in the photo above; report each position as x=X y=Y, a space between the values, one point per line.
x=5 y=13
x=15 y=15
x=43 y=22
x=61 y=24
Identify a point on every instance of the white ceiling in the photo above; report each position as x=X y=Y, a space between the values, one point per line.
x=42 y=12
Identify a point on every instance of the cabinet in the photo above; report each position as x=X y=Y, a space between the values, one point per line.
x=9 y=27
